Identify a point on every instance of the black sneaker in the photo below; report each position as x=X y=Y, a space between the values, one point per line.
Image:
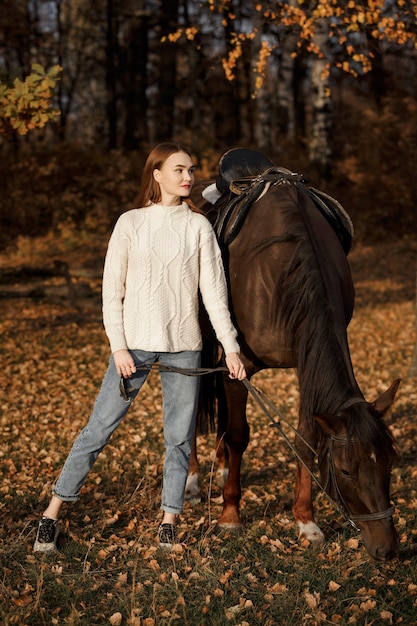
x=47 y=535
x=167 y=536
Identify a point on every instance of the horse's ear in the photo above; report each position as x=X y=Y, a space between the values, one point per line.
x=329 y=425
x=383 y=403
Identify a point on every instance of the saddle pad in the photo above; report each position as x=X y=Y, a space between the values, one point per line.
x=244 y=175
x=335 y=214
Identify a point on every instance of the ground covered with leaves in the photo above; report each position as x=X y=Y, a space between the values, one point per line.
x=109 y=569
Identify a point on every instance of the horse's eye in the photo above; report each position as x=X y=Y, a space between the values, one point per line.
x=345 y=473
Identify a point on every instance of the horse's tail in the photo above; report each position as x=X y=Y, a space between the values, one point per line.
x=207 y=407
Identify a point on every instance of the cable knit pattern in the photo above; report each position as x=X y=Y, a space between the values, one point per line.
x=157 y=258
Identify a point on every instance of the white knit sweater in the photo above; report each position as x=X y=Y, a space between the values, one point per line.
x=157 y=259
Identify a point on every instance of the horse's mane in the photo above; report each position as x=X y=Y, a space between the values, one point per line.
x=321 y=352
x=303 y=308
x=366 y=426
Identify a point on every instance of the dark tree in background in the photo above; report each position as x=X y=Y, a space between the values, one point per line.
x=139 y=71
x=133 y=71
x=328 y=88
x=111 y=75
x=166 y=69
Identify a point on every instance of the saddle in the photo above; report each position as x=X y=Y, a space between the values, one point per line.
x=245 y=175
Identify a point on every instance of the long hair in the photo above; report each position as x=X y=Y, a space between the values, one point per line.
x=150 y=191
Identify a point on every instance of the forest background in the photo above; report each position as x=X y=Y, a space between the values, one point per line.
x=326 y=88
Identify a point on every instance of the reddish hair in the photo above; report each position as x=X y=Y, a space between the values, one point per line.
x=150 y=191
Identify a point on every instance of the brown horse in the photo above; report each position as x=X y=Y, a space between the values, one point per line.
x=292 y=297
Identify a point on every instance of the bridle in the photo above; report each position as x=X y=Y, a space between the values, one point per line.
x=265 y=404
x=338 y=502
x=332 y=479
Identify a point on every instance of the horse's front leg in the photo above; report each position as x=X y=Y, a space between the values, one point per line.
x=236 y=439
x=222 y=452
x=302 y=509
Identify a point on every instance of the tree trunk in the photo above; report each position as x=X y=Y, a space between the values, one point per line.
x=135 y=75
x=60 y=91
x=321 y=119
x=229 y=95
x=377 y=77
x=299 y=98
x=164 y=114
x=289 y=94
x=261 y=101
x=111 y=90
x=244 y=90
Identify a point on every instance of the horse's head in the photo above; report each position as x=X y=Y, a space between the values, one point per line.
x=355 y=466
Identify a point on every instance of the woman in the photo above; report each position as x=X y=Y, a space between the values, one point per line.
x=159 y=257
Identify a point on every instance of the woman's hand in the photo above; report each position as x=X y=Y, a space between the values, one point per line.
x=124 y=363
x=235 y=365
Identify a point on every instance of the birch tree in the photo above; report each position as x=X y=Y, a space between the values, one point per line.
x=329 y=35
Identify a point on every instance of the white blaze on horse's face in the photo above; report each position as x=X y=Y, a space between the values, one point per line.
x=372 y=456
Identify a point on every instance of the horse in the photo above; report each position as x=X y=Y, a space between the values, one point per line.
x=291 y=298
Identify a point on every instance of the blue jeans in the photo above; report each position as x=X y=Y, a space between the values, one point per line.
x=180 y=396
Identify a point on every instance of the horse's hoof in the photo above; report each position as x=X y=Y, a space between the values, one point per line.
x=221 y=477
x=232 y=528
x=311 y=532
x=192 y=490
x=193 y=500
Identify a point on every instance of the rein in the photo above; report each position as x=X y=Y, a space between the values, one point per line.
x=265 y=404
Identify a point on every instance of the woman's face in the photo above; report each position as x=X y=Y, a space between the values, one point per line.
x=175 y=178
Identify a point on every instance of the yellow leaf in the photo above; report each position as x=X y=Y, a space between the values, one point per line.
x=368 y=605
x=333 y=586
x=38 y=69
x=312 y=600
x=226 y=577
x=278 y=588
x=116 y=619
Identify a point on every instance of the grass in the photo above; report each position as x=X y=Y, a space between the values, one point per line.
x=109 y=570
x=261 y=576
